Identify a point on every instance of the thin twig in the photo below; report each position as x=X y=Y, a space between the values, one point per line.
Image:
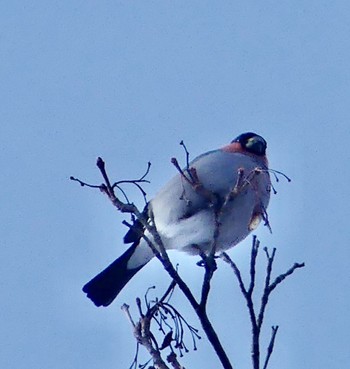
x=271 y=346
x=187 y=155
x=266 y=292
x=282 y=276
x=254 y=254
x=195 y=183
x=82 y=184
x=125 y=308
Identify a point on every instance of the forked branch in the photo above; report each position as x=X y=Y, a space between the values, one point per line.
x=257 y=315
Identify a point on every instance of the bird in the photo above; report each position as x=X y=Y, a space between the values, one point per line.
x=185 y=218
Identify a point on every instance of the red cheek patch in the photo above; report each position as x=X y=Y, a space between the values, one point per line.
x=233 y=147
x=237 y=147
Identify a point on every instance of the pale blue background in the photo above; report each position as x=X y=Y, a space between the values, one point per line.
x=127 y=80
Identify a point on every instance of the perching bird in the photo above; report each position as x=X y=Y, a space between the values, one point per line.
x=185 y=218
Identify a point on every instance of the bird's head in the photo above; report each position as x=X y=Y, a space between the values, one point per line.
x=252 y=143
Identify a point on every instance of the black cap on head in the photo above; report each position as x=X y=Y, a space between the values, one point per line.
x=252 y=143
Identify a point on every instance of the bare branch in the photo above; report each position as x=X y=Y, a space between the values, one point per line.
x=125 y=308
x=224 y=256
x=266 y=293
x=195 y=183
x=209 y=261
x=257 y=320
x=282 y=276
x=187 y=154
x=210 y=267
x=171 y=324
x=254 y=254
x=82 y=184
x=172 y=359
x=271 y=346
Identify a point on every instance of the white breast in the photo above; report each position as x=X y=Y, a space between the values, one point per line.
x=184 y=218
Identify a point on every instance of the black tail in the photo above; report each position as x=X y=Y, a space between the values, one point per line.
x=105 y=287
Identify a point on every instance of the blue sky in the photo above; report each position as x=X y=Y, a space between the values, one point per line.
x=127 y=81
